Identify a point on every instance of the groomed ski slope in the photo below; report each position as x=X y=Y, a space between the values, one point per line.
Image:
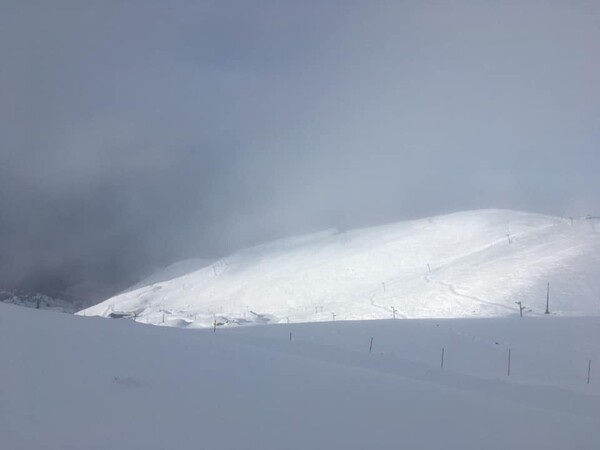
x=469 y=264
x=72 y=383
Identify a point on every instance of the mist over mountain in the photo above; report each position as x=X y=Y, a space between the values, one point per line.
x=134 y=135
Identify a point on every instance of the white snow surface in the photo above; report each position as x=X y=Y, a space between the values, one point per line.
x=172 y=271
x=452 y=266
x=72 y=383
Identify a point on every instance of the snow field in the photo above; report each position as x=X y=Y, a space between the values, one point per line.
x=70 y=382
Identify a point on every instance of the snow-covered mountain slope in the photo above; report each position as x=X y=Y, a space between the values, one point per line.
x=175 y=270
x=470 y=264
x=122 y=385
x=39 y=301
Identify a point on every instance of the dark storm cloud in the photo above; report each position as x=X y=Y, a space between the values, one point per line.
x=135 y=133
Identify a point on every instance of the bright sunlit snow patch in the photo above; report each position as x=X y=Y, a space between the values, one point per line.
x=470 y=264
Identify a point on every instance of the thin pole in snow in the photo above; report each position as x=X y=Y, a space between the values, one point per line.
x=333 y=316
x=521 y=307
x=429 y=267
x=589 y=370
x=290 y=336
x=371 y=345
x=442 y=362
x=215 y=326
x=548 y=299
x=394 y=312
x=508 y=371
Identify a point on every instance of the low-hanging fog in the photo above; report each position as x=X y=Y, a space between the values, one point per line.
x=134 y=134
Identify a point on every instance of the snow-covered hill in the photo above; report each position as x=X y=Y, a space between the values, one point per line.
x=72 y=383
x=172 y=271
x=469 y=264
x=39 y=301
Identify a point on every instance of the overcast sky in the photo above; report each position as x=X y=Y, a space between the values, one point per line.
x=136 y=133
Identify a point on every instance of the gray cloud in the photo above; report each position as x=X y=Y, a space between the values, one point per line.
x=135 y=133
